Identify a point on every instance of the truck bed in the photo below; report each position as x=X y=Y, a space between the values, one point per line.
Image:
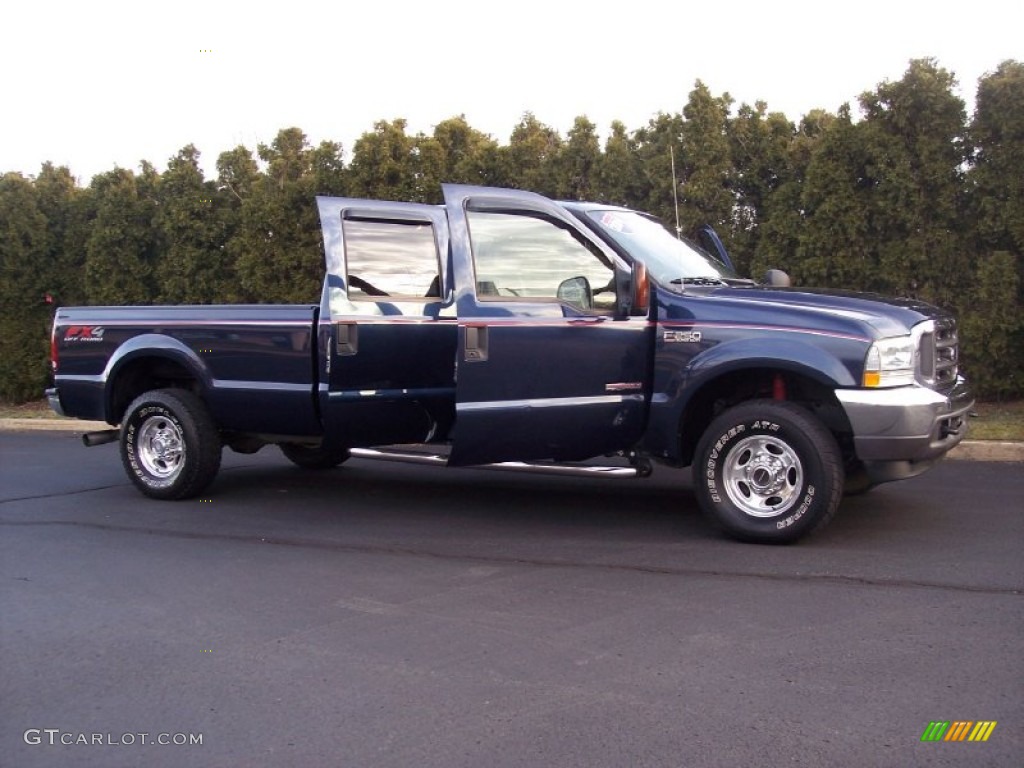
x=264 y=352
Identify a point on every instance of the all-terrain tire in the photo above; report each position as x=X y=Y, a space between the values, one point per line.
x=768 y=471
x=170 y=447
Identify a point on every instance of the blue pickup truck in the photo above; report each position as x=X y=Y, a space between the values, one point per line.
x=507 y=330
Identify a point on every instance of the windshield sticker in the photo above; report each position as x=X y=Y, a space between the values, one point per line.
x=613 y=221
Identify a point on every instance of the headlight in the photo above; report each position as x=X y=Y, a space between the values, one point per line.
x=890 y=362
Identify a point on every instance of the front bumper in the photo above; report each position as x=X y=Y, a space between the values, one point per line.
x=901 y=432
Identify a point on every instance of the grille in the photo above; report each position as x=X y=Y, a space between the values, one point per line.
x=939 y=354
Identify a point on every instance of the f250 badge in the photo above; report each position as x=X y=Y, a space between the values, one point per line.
x=84 y=333
x=691 y=337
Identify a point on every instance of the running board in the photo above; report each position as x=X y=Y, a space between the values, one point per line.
x=574 y=470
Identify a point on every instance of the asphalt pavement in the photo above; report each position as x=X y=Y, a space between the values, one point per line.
x=389 y=615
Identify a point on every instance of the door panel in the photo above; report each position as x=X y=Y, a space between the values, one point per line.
x=388 y=329
x=545 y=370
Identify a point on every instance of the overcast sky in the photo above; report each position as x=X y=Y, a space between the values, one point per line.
x=96 y=84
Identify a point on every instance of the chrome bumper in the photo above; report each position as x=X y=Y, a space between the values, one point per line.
x=901 y=432
x=53 y=399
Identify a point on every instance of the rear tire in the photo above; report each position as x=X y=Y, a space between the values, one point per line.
x=768 y=471
x=170 y=447
x=310 y=457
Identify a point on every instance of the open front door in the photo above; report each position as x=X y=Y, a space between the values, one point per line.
x=547 y=368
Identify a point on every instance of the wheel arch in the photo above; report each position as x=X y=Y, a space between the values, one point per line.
x=151 y=361
x=775 y=379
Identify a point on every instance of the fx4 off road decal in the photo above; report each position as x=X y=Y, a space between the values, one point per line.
x=83 y=333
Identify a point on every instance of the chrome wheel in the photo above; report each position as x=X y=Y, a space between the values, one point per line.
x=161 y=447
x=763 y=476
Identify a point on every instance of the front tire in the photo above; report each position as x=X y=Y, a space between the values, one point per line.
x=169 y=444
x=768 y=471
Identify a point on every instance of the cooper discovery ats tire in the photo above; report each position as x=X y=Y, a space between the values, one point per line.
x=169 y=444
x=768 y=471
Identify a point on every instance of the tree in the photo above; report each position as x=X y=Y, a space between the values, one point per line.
x=24 y=249
x=578 y=161
x=194 y=267
x=381 y=166
x=237 y=175
x=426 y=161
x=706 y=166
x=913 y=133
x=620 y=179
x=532 y=151
x=997 y=184
x=835 y=244
x=329 y=176
x=656 y=144
x=121 y=240
x=59 y=198
x=237 y=172
x=783 y=213
x=470 y=156
x=994 y=328
x=761 y=162
x=277 y=249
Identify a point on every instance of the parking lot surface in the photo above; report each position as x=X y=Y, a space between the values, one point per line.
x=388 y=615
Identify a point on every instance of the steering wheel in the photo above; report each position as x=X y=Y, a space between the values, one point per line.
x=365 y=287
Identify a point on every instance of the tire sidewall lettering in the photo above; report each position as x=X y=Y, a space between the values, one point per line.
x=801 y=510
x=711 y=465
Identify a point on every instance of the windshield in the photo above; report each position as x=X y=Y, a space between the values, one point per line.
x=666 y=257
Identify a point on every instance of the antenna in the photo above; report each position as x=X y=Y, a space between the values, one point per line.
x=675 y=191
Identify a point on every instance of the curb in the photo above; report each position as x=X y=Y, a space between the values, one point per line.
x=51 y=425
x=987 y=450
x=968 y=450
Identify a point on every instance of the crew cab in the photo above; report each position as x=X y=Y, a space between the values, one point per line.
x=507 y=330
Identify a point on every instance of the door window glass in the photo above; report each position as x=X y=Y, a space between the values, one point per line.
x=525 y=256
x=390 y=258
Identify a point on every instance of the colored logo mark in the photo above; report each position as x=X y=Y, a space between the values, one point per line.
x=958 y=730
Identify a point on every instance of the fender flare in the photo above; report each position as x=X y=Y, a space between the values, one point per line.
x=795 y=356
x=785 y=354
x=153 y=345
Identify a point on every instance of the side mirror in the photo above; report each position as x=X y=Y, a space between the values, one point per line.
x=641 y=290
x=576 y=291
x=776 y=278
x=633 y=291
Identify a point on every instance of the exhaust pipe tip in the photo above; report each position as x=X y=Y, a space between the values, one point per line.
x=90 y=439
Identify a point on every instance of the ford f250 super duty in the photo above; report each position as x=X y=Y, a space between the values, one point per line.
x=505 y=329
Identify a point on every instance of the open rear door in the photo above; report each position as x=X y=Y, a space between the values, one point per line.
x=387 y=323
x=547 y=365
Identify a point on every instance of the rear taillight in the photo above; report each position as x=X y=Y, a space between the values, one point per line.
x=53 y=348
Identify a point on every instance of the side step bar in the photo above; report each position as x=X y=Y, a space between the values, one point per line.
x=575 y=470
